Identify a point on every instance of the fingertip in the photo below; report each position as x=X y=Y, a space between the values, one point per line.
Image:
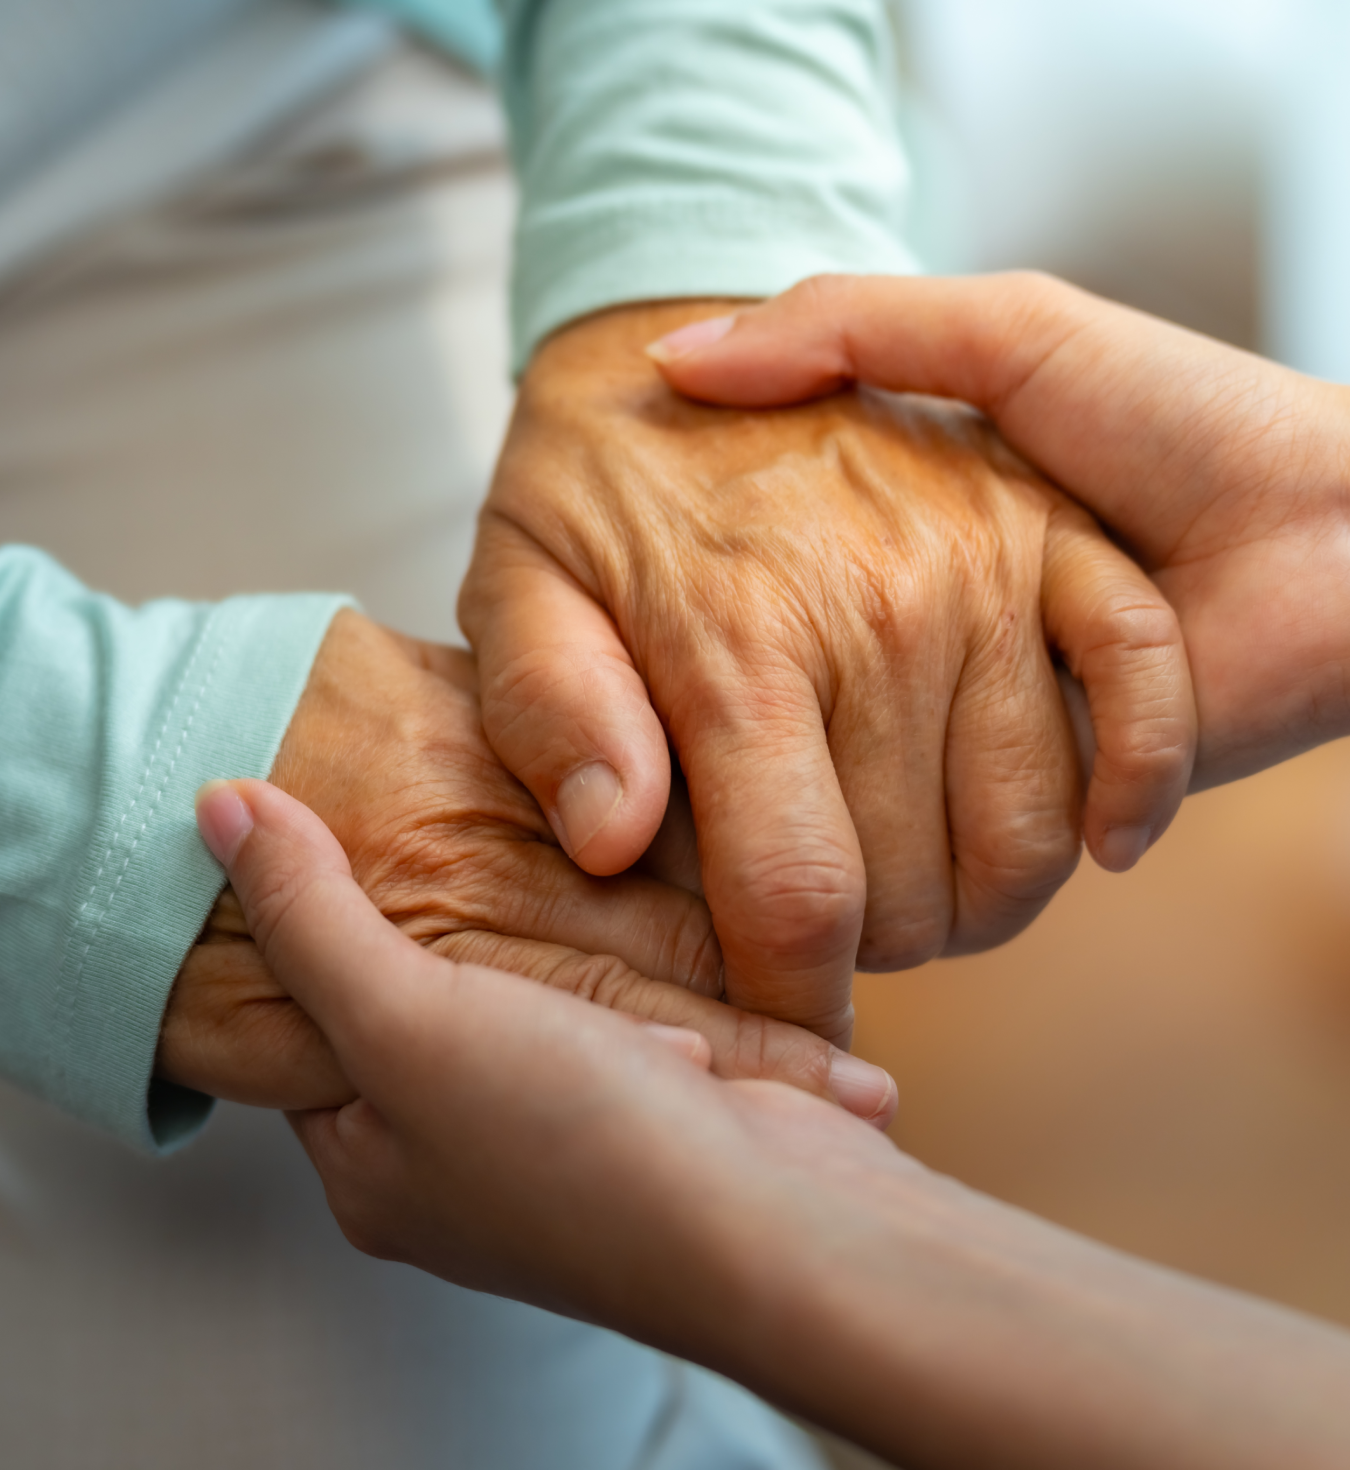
x=867 y=1091
x=1118 y=849
x=690 y=1044
x=693 y=338
x=224 y=819
x=589 y=821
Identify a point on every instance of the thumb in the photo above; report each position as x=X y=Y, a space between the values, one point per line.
x=1134 y=417
x=977 y=338
x=563 y=706
x=318 y=933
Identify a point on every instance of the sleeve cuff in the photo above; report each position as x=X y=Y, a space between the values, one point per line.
x=153 y=880
x=718 y=245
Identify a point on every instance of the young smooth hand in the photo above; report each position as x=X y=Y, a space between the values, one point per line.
x=837 y=617
x=1227 y=475
x=515 y=1140
x=387 y=745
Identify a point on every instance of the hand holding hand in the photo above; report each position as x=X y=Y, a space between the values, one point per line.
x=387 y=745
x=837 y=617
x=1227 y=474
x=517 y=1141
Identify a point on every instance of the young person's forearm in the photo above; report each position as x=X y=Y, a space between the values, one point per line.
x=941 y=1328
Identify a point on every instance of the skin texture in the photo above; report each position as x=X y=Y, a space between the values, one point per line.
x=1227 y=475
x=744 y=1224
x=387 y=745
x=835 y=617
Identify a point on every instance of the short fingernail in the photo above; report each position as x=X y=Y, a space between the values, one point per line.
x=1122 y=847
x=868 y=1092
x=223 y=819
x=689 y=339
x=689 y=1043
x=587 y=799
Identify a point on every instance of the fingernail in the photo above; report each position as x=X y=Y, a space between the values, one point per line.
x=691 y=1044
x=689 y=339
x=868 y=1092
x=223 y=819
x=587 y=799
x=1122 y=847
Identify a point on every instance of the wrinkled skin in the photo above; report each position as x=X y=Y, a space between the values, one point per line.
x=387 y=746
x=1227 y=474
x=836 y=615
x=744 y=1225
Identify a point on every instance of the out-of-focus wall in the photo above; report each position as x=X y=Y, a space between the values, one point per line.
x=1187 y=156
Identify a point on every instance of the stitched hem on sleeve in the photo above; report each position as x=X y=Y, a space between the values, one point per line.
x=153 y=881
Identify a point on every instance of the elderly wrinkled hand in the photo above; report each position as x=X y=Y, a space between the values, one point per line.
x=387 y=746
x=1226 y=474
x=837 y=617
x=484 y=1108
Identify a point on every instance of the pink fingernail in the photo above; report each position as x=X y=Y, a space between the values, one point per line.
x=586 y=801
x=866 y=1091
x=1122 y=847
x=689 y=339
x=689 y=1043
x=223 y=819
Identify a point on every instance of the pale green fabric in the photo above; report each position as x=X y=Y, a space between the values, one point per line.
x=110 y=719
x=682 y=148
x=665 y=148
x=468 y=29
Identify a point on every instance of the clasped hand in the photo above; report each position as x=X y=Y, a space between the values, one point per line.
x=387 y=747
x=835 y=616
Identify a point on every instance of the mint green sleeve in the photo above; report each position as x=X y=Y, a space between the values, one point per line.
x=110 y=718
x=677 y=148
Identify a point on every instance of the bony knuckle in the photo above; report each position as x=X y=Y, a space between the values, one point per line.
x=818 y=295
x=1150 y=756
x=1037 y=288
x=1130 y=626
x=796 y=904
x=1018 y=872
x=903 y=944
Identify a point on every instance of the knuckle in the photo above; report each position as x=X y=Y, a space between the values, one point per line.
x=1036 y=291
x=1018 y=871
x=767 y=1049
x=1150 y=754
x=818 y=295
x=1132 y=627
x=792 y=904
x=604 y=980
x=525 y=698
x=896 y=944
